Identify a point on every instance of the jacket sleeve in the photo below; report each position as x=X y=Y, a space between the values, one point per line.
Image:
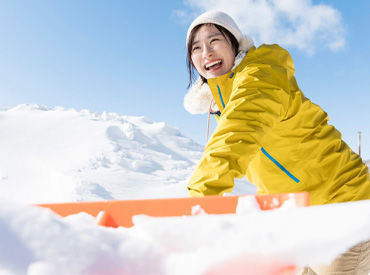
x=259 y=98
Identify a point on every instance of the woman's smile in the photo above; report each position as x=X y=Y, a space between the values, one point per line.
x=213 y=65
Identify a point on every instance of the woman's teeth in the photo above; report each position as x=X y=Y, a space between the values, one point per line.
x=209 y=65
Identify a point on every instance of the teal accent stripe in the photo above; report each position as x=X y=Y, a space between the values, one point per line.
x=219 y=93
x=279 y=165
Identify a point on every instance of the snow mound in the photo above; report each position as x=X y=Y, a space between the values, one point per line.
x=58 y=154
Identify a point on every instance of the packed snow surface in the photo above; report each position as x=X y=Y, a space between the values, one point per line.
x=57 y=154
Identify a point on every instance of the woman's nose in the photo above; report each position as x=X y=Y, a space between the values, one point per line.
x=207 y=51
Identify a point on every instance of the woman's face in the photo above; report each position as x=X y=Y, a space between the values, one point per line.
x=211 y=52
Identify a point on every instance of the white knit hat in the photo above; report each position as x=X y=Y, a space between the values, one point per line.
x=224 y=20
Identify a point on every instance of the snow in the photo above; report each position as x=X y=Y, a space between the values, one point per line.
x=90 y=156
x=36 y=241
x=58 y=154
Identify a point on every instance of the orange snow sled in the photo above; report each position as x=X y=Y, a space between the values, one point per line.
x=116 y=213
x=120 y=213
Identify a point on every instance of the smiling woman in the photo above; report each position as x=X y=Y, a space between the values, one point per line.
x=267 y=129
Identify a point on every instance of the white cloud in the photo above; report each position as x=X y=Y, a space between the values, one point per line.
x=297 y=23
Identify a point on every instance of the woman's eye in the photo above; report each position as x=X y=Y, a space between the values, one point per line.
x=195 y=48
x=214 y=39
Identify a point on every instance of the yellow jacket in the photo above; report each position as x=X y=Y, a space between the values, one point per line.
x=271 y=133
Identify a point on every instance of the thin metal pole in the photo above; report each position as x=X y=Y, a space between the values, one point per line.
x=359 y=142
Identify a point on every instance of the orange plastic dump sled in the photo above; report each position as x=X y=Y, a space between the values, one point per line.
x=119 y=212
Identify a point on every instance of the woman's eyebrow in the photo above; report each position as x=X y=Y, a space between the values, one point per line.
x=208 y=37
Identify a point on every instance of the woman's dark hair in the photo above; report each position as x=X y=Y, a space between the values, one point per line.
x=189 y=62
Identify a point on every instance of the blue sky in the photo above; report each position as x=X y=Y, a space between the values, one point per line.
x=129 y=56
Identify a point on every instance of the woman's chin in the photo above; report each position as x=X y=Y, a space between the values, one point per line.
x=215 y=74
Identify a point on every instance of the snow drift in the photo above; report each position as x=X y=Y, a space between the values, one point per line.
x=54 y=155
x=58 y=154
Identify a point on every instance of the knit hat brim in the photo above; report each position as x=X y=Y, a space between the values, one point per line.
x=224 y=20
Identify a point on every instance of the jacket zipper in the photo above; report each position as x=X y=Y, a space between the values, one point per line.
x=279 y=165
x=219 y=93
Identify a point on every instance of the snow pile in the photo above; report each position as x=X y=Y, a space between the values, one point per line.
x=72 y=155
x=58 y=155
x=54 y=155
x=35 y=241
